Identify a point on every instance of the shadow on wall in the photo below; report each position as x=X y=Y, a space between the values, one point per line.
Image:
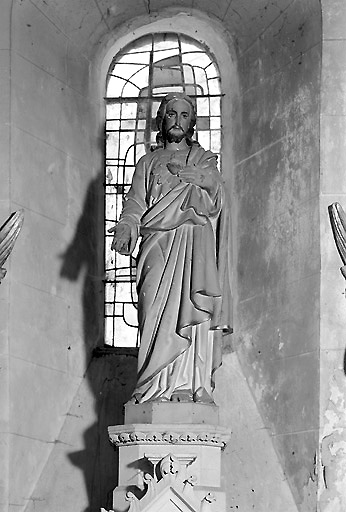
x=111 y=377
x=83 y=256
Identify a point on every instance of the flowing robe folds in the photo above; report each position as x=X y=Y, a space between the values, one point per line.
x=182 y=276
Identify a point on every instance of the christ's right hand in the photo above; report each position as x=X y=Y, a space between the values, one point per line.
x=122 y=238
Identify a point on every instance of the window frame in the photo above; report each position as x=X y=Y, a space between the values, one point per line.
x=108 y=100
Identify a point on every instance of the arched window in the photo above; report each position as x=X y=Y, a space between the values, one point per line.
x=139 y=77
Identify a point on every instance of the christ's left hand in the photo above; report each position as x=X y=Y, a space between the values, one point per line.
x=202 y=177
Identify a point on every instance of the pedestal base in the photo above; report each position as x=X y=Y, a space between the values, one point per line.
x=169 y=465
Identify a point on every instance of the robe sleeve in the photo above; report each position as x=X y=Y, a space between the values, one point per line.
x=135 y=201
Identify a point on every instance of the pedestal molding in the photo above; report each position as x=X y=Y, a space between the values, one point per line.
x=184 y=434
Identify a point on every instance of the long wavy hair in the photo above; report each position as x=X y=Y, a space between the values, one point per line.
x=160 y=118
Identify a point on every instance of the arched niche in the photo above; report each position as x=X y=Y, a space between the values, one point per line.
x=212 y=35
x=200 y=27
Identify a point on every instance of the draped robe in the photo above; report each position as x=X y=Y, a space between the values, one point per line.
x=182 y=276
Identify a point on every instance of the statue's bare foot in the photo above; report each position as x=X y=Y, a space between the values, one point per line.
x=182 y=396
x=160 y=399
x=136 y=399
x=202 y=396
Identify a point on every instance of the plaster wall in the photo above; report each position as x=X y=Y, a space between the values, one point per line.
x=332 y=481
x=277 y=185
x=53 y=290
x=50 y=157
x=4 y=288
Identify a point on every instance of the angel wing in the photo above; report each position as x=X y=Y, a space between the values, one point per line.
x=9 y=232
x=338 y=222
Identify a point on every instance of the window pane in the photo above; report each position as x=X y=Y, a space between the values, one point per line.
x=113 y=110
x=112 y=145
x=130 y=90
x=203 y=123
x=215 y=138
x=197 y=59
x=109 y=295
x=166 y=76
x=201 y=79
x=123 y=291
x=193 y=90
x=215 y=122
x=215 y=107
x=142 y=45
x=123 y=261
x=128 y=174
x=137 y=58
x=187 y=46
x=212 y=71
x=163 y=42
x=161 y=55
x=204 y=139
x=113 y=125
x=111 y=175
x=130 y=315
x=202 y=107
x=140 y=151
x=214 y=86
x=122 y=333
x=115 y=87
x=128 y=110
x=189 y=76
x=125 y=143
x=162 y=91
x=126 y=71
x=140 y=77
x=128 y=125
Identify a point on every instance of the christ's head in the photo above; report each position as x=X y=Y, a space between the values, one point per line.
x=176 y=118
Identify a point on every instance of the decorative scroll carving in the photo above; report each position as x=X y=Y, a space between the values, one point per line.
x=338 y=222
x=173 y=490
x=205 y=435
x=9 y=232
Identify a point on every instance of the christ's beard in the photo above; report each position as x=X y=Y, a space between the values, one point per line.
x=175 y=134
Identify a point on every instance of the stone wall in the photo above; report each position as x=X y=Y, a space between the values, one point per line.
x=333 y=306
x=277 y=185
x=51 y=161
x=4 y=287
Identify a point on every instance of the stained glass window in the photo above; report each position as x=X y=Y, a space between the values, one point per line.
x=138 y=78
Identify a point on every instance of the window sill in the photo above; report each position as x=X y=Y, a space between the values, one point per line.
x=107 y=350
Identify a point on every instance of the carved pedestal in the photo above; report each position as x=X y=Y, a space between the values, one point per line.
x=169 y=458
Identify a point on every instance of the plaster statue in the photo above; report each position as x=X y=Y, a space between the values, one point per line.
x=9 y=232
x=178 y=205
